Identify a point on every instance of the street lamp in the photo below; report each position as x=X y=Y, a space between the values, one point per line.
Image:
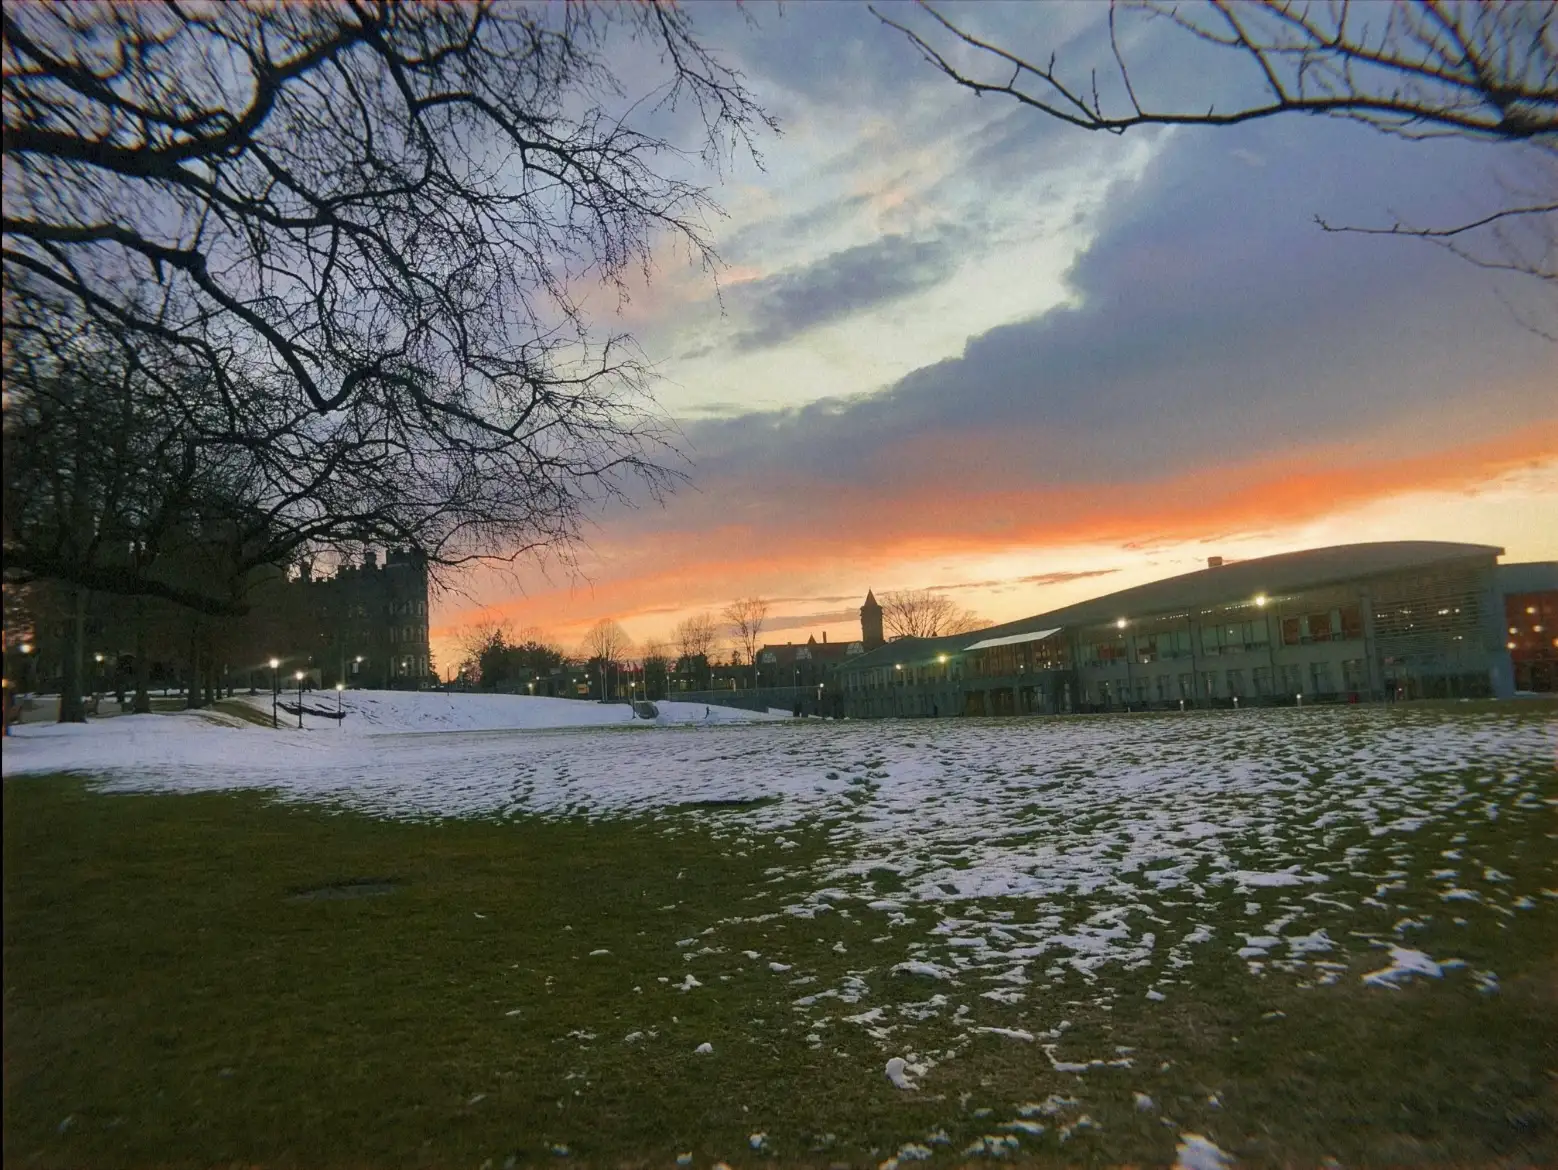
x=299 y=677
x=339 y=687
x=1129 y=655
x=275 y=690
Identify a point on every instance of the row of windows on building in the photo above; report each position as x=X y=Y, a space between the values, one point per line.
x=1342 y=624
x=1315 y=678
x=1259 y=682
x=360 y=609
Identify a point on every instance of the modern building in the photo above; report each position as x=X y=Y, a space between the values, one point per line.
x=1531 y=624
x=1352 y=623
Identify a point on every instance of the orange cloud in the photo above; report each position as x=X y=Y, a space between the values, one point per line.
x=648 y=580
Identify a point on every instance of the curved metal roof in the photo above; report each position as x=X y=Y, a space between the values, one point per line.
x=1273 y=576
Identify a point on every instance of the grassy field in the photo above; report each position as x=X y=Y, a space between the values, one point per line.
x=220 y=979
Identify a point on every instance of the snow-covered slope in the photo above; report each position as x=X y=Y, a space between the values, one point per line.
x=369 y=712
x=195 y=741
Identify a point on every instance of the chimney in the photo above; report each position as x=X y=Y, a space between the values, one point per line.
x=824 y=637
x=1214 y=562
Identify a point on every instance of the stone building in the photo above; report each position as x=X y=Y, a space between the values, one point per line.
x=370 y=623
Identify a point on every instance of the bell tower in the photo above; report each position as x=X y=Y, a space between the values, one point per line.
x=871 y=622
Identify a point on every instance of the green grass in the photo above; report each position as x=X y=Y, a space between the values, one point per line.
x=172 y=1000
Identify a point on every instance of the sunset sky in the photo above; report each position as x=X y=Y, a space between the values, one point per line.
x=962 y=346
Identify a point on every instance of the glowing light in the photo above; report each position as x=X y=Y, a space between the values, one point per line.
x=340 y=686
x=274 y=663
x=26 y=647
x=1120 y=624
x=298 y=676
x=1260 y=599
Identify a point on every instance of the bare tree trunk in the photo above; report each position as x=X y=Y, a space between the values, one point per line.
x=142 y=690
x=192 y=699
x=71 y=708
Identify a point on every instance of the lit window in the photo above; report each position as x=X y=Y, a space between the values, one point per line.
x=1513 y=630
x=1530 y=609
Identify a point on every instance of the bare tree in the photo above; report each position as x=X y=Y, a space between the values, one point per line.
x=607 y=642
x=695 y=637
x=656 y=661
x=746 y=616
x=360 y=236
x=1414 y=68
x=924 y=613
x=479 y=638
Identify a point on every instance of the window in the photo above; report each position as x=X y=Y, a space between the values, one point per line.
x=1260 y=677
x=1141 y=690
x=1320 y=678
x=1319 y=627
x=1355 y=676
x=1187 y=686
x=1146 y=648
x=1209 y=681
x=1236 y=683
x=1211 y=640
x=1292 y=679
x=1291 y=635
x=1351 y=617
x=1163 y=688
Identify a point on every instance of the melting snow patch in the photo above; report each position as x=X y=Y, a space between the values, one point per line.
x=1011 y=1033
x=1287 y=877
x=778 y=968
x=704 y=1049
x=1195 y=1152
x=994 y=1145
x=757 y=1141
x=1082 y=1066
x=1051 y=1106
x=1032 y=1128
x=1144 y=1103
x=689 y=983
x=929 y=970
x=897 y=1071
x=1403 y=962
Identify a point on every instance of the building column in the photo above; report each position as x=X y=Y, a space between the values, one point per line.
x=1501 y=666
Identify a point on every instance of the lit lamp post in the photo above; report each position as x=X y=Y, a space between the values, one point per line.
x=1120 y=625
x=26 y=667
x=275 y=690
x=339 y=687
x=299 y=677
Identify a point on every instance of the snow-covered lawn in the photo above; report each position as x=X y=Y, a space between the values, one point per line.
x=986 y=874
x=1102 y=824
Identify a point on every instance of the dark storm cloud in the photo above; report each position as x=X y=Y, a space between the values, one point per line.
x=841 y=285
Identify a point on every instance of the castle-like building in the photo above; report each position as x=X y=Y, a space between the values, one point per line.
x=370 y=623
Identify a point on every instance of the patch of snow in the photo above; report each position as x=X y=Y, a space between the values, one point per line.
x=897 y=1071
x=1403 y=963
x=1195 y=1152
x=1009 y=1033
